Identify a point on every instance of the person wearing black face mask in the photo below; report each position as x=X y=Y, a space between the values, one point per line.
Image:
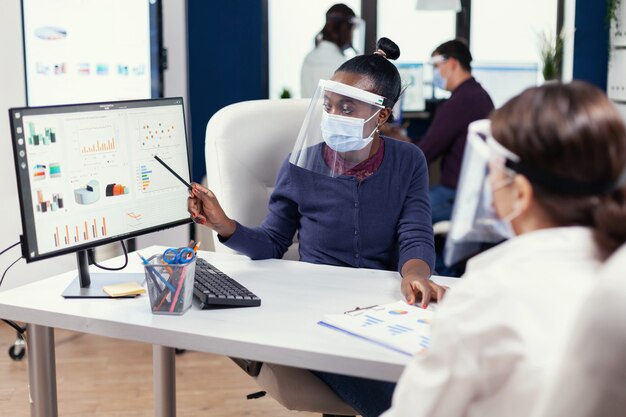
x=331 y=46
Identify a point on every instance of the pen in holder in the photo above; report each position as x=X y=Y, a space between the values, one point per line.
x=170 y=285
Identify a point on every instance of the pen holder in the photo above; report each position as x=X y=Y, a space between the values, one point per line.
x=170 y=286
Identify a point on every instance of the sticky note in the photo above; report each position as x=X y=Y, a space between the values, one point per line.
x=124 y=289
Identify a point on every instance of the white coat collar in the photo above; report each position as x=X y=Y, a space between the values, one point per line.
x=575 y=242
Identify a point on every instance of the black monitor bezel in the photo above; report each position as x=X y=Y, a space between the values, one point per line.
x=25 y=198
x=157 y=50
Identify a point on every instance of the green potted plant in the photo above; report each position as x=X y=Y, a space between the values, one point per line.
x=612 y=7
x=285 y=93
x=612 y=10
x=551 y=52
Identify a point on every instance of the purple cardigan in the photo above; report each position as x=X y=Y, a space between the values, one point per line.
x=380 y=223
x=447 y=134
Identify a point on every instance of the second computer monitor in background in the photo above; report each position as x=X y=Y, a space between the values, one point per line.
x=412 y=75
x=503 y=81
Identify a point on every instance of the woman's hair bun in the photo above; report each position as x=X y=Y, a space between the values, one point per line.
x=389 y=48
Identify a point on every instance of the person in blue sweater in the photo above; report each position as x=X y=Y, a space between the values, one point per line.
x=355 y=199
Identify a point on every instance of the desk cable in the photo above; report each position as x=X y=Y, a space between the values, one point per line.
x=18 y=328
x=92 y=259
x=14 y=262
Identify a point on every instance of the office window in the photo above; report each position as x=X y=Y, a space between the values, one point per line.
x=506 y=37
x=292 y=26
x=416 y=32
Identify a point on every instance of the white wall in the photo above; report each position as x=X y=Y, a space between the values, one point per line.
x=12 y=94
x=568 y=47
x=175 y=81
x=293 y=25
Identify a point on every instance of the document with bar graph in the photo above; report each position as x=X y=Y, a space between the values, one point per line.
x=397 y=326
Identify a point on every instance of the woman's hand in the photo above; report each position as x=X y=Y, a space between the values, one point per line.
x=416 y=285
x=205 y=209
x=416 y=288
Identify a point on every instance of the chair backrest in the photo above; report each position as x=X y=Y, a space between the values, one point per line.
x=245 y=146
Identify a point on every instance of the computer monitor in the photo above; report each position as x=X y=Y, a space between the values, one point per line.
x=412 y=75
x=79 y=51
x=504 y=81
x=87 y=176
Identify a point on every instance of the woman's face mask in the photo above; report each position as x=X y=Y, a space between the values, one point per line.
x=500 y=225
x=345 y=134
x=438 y=80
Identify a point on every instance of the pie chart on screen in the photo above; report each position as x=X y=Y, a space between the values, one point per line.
x=50 y=33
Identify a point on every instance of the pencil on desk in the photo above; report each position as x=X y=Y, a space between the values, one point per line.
x=181 y=279
x=163 y=280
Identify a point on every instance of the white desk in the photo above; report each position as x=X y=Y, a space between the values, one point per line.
x=284 y=330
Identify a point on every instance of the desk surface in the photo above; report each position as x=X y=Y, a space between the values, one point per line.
x=284 y=330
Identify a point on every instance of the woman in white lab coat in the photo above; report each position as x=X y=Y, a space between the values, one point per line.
x=591 y=378
x=558 y=154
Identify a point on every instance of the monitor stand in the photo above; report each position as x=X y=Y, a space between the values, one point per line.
x=83 y=286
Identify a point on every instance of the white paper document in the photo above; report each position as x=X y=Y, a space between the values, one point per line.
x=398 y=326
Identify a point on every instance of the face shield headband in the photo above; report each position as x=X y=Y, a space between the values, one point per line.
x=436 y=59
x=338 y=129
x=553 y=182
x=358 y=35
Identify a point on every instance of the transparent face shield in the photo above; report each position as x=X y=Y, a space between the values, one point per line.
x=474 y=218
x=358 y=38
x=338 y=129
x=436 y=61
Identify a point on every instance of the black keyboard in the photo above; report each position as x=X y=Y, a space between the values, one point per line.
x=213 y=288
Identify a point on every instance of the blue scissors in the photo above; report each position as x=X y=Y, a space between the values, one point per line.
x=178 y=256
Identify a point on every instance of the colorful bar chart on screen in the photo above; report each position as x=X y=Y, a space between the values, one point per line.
x=40 y=136
x=113 y=190
x=152 y=177
x=55 y=169
x=39 y=172
x=97 y=140
x=107 y=145
x=48 y=203
x=143 y=177
x=69 y=234
x=98 y=145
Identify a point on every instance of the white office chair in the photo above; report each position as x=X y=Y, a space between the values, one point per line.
x=245 y=146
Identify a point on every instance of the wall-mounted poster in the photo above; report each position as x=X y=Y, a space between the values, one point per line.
x=80 y=51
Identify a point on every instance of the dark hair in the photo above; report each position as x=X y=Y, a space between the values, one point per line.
x=377 y=67
x=458 y=50
x=338 y=28
x=573 y=133
x=339 y=10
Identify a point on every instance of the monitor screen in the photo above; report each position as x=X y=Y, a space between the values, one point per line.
x=504 y=81
x=87 y=175
x=412 y=75
x=78 y=51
